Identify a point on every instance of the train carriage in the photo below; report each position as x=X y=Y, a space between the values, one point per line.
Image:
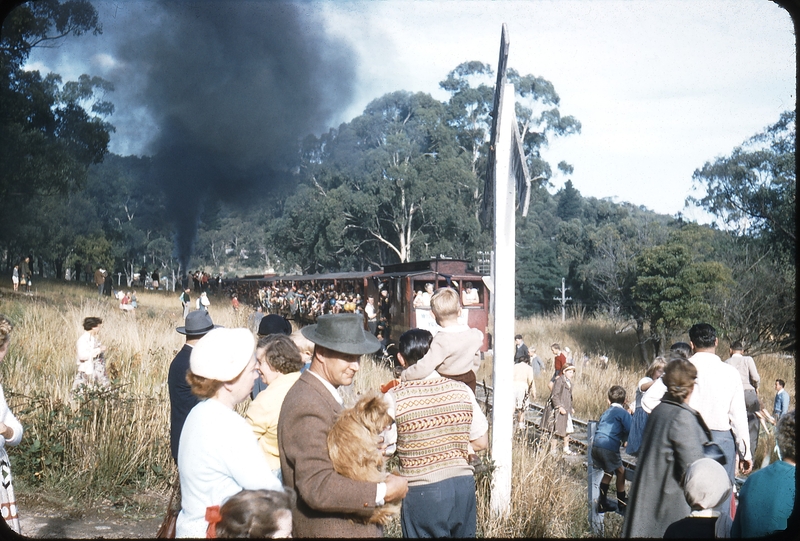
x=402 y=281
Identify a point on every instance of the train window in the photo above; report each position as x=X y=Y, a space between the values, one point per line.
x=470 y=294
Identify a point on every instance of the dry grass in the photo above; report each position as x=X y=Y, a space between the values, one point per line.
x=116 y=444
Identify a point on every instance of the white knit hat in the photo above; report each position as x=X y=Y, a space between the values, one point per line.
x=222 y=354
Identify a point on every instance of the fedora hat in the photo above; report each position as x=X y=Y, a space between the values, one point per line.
x=222 y=354
x=274 y=324
x=197 y=323
x=569 y=366
x=343 y=333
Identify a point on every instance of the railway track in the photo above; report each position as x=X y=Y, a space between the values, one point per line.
x=533 y=418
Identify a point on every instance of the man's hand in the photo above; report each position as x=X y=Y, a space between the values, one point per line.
x=396 y=488
x=745 y=466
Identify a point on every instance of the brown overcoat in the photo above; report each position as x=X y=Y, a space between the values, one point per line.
x=561 y=395
x=326 y=501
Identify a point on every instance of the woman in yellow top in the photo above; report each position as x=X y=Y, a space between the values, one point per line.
x=279 y=363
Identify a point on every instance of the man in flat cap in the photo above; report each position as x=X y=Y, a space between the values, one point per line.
x=181 y=399
x=326 y=501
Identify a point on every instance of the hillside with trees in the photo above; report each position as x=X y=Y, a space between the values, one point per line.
x=402 y=181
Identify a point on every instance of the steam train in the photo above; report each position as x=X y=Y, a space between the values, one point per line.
x=402 y=281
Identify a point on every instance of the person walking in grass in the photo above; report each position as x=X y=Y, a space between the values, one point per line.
x=90 y=356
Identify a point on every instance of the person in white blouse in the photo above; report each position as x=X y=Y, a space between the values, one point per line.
x=10 y=434
x=90 y=355
x=218 y=454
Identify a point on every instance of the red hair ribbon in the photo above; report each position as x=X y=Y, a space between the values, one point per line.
x=213 y=516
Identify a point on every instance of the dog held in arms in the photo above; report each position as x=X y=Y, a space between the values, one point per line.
x=354 y=445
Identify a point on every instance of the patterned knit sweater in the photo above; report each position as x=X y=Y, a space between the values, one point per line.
x=433 y=429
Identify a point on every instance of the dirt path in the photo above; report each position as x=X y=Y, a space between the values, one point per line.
x=44 y=519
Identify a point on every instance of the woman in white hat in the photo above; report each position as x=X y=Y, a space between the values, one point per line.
x=218 y=455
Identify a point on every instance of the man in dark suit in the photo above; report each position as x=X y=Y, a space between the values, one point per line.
x=327 y=501
x=181 y=399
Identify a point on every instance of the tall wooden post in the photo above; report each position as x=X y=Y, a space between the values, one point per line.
x=504 y=291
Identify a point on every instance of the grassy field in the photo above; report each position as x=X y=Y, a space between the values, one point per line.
x=114 y=446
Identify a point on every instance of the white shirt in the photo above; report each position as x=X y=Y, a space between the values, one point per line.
x=88 y=348
x=719 y=398
x=218 y=456
x=653 y=395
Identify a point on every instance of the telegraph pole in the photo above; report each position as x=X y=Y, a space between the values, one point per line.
x=563 y=300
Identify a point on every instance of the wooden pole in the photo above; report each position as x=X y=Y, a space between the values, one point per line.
x=503 y=295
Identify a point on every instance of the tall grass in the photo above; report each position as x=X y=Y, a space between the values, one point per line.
x=116 y=444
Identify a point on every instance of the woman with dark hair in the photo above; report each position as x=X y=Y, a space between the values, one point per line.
x=218 y=454
x=91 y=356
x=672 y=440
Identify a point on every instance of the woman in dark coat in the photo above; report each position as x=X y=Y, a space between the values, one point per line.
x=558 y=410
x=673 y=439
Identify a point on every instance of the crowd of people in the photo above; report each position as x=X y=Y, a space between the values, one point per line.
x=431 y=422
x=693 y=424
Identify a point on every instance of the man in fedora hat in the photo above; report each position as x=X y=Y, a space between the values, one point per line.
x=181 y=399
x=326 y=501
x=270 y=324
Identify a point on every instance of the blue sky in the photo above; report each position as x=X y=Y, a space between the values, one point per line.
x=659 y=86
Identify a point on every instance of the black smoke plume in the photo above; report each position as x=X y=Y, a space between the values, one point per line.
x=232 y=86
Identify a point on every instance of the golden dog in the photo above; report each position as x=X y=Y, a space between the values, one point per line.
x=353 y=445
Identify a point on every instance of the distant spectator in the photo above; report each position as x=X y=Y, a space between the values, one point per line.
x=235 y=303
x=254 y=321
x=705 y=487
x=185 y=302
x=521 y=353
x=524 y=386
x=781 y=400
x=536 y=362
x=559 y=360
x=202 y=301
x=767 y=498
x=612 y=430
x=100 y=280
x=746 y=367
x=90 y=356
x=15 y=278
x=557 y=415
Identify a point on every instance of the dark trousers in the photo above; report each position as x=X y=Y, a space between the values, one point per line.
x=725 y=440
x=752 y=405
x=444 y=509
